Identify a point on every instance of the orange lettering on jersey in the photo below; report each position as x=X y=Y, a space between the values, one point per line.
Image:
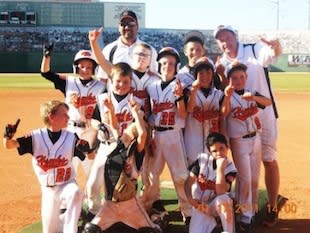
x=124 y=116
x=141 y=94
x=159 y=107
x=201 y=115
x=45 y=164
x=243 y=114
x=205 y=184
x=86 y=100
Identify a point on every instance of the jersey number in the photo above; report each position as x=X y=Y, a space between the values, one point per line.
x=63 y=174
x=89 y=112
x=167 y=118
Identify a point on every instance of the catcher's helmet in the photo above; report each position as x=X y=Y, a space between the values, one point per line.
x=169 y=51
x=84 y=55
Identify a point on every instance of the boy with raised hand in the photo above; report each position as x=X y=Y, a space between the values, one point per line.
x=207 y=187
x=241 y=109
x=168 y=113
x=80 y=91
x=203 y=107
x=52 y=149
x=121 y=171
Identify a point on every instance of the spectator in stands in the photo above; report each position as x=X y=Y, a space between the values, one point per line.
x=121 y=50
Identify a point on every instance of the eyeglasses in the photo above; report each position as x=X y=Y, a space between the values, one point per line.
x=128 y=24
x=144 y=55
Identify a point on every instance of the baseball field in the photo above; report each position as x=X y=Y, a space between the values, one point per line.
x=22 y=94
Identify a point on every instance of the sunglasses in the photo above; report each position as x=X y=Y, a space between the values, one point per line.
x=128 y=24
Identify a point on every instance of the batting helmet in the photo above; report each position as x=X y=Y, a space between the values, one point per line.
x=84 y=55
x=169 y=51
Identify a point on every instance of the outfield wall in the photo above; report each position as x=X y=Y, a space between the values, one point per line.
x=29 y=62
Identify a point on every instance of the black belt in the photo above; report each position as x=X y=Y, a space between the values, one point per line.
x=250 y=135
x=80 y=124
x=163 y=128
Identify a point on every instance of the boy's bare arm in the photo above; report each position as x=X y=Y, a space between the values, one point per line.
x=221 y=185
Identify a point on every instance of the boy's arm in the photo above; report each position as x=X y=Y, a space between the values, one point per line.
x=225 y=107
x=190 y=180
x=192 y=98
x=221 y=186
x=140 y=124
x=104 y=64
x=261 y=100
x=178 y=92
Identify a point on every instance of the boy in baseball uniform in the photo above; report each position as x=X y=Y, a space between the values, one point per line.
x=112 y=111
x=52 y=149
x=121 y=171
x=203 y=107
x=241 y=107
x=80 y=91
x=167 y=119
x=211 y=176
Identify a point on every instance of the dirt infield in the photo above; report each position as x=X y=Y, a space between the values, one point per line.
x=20 y=194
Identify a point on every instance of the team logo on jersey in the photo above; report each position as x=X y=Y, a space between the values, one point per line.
x=141 y=94
x=124 y=116
x=160 y=107
x=86 y=100
x=205 y=184
x=45 y=164
x=201 y=115
x=243 y=114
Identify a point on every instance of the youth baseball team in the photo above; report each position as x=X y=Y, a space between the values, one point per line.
x=128 y=111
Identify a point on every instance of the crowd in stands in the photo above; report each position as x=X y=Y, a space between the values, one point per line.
x=74 y=39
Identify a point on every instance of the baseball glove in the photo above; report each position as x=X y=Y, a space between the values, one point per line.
x=125 y=189
x=47 y=49
x=10 y=130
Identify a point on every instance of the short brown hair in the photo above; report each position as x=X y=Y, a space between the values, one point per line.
x=121 y=69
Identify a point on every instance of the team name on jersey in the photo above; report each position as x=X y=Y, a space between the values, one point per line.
x=141 y=94
x=201 y=115
x=86 y=100
x=243 y=113
x=124 y=116
x=45 y=164
x=159 y=107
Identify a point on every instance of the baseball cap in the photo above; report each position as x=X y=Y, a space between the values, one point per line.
x=128 y=14
x=194 y=36
x=221 y=28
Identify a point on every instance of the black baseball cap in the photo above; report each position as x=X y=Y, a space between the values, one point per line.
x=235 y=66
x=128 y=14
x=194 y=36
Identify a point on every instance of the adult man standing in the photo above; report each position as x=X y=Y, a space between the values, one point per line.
x=121 y=50
x=257 y=57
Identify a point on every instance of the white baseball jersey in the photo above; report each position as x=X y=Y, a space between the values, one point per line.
x=164 y=109
x=52 y=162
x=203 y=120
x=186 y=77
x=139 y=86
x=86 y=98
x=263 y=57
x=122 y=110
x=124 y=53
x=243 y=117
x=207 y=167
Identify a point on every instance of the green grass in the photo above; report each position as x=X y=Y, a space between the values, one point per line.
x=281 y=81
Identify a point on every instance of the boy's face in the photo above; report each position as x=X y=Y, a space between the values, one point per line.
x=141 y=58
x=85 y=68
x=238 y=79
x=193 y=51
x=218 y=150
x=59 y=119
x=205 y=76
x=121 y=84
x=167 y=67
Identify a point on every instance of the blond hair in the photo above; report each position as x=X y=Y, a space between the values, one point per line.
x=121 y=69
x=50 y=108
